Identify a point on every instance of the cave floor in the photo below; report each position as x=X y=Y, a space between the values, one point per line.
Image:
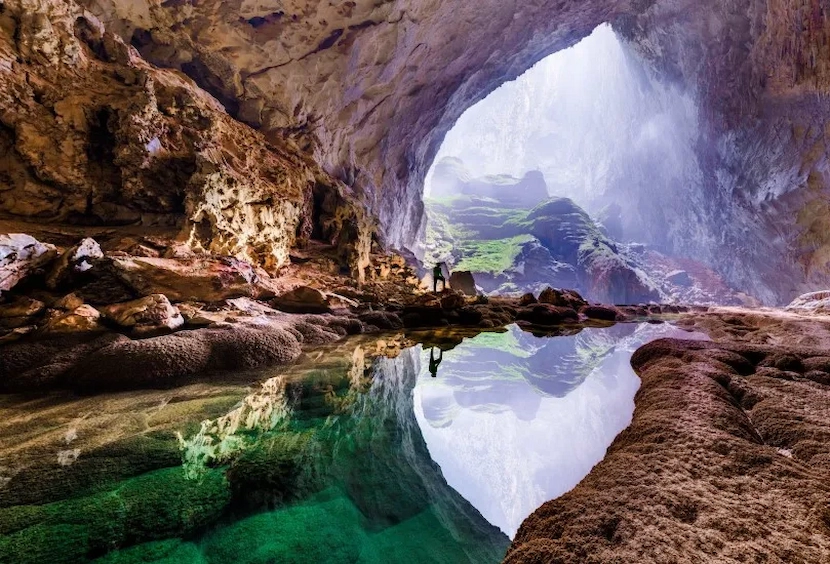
x=727 y=458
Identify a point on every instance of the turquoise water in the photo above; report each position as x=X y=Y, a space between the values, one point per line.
x=346 y=457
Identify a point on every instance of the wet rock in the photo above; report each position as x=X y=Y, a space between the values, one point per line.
x=463 y=281
x=166 y=360
x=546 y=314
x=20 y=256
x=302 y=299
x=758 y=431
x=381 y=319
x=603 y=313
x=151 y=315
x=562 y=298
x=75 y=261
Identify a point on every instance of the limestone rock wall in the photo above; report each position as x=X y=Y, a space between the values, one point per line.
x=368 y=88
x=90 y=133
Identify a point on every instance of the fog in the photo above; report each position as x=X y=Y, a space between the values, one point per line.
x=599 y=127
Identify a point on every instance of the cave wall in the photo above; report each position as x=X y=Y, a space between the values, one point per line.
x=92 y=134
x=369 y=88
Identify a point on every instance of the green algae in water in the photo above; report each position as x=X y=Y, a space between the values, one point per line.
x=328 y=467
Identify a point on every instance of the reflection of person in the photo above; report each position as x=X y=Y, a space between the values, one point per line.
x=433 y=362
x=436 y=276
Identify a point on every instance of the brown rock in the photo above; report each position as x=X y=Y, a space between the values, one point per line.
x=452 y=300
x=546 y=314
x=75 y=261
x=562 y=298
x=603 y=313
x=302 y=299
x=151 y=315
x=83 y=319
x=209 y=279
x=527 y=299
x=23 y=311
x=463 y=281
x=20 y=256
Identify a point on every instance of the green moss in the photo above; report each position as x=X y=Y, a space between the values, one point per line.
x=172 y=551
x=493 y=256
x=321 y=530
x=151 y=506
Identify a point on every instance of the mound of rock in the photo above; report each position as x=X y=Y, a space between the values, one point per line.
x=814 y=302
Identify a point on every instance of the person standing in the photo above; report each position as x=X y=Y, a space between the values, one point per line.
x=436 y=276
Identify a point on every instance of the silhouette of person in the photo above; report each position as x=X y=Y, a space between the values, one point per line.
x=436 y=276
x=434 y=362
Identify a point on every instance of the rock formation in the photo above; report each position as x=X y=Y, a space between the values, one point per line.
x=515 y=239
x=93 y=135
x=371 y=88
x=713 y=421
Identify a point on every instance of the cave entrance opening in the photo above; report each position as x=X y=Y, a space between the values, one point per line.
x=552 y=180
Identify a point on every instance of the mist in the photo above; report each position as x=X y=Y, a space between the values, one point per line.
x=597 y=125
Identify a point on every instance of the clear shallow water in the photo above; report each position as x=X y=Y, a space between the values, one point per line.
x=339 y=459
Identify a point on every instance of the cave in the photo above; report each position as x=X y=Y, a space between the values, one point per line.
x=593 y=126
x=219 y=340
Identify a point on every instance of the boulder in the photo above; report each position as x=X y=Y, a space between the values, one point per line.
x=20 y=256
x=546 y=314
x=79 y=259
x=463 y=281
x=206 y=279
x=603 y=313
x=679 y=278
x=148 y=316
x=303 y=299
x=527 y=299
x=82 y=319
x=452 y=300
x=562 y=298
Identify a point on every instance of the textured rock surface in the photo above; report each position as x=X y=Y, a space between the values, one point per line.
x=464 y=282
x=146 y=316
x=756 y=68
x=726 y=455
x=20 y=256
x=92 y=134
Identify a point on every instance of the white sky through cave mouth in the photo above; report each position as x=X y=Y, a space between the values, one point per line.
x=591 y=118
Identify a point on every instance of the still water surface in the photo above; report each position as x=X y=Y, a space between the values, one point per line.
x=425 y=457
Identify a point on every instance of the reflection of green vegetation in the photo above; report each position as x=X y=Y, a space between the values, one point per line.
x=506 y=342
x=330 y=463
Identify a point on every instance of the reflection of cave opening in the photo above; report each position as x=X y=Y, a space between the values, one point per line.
x=591 y=127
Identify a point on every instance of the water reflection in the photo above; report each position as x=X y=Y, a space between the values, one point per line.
x=330 y=460
x=515 y=420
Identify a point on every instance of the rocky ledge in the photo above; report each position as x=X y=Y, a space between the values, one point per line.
x=726 y=459
x=141 y=311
